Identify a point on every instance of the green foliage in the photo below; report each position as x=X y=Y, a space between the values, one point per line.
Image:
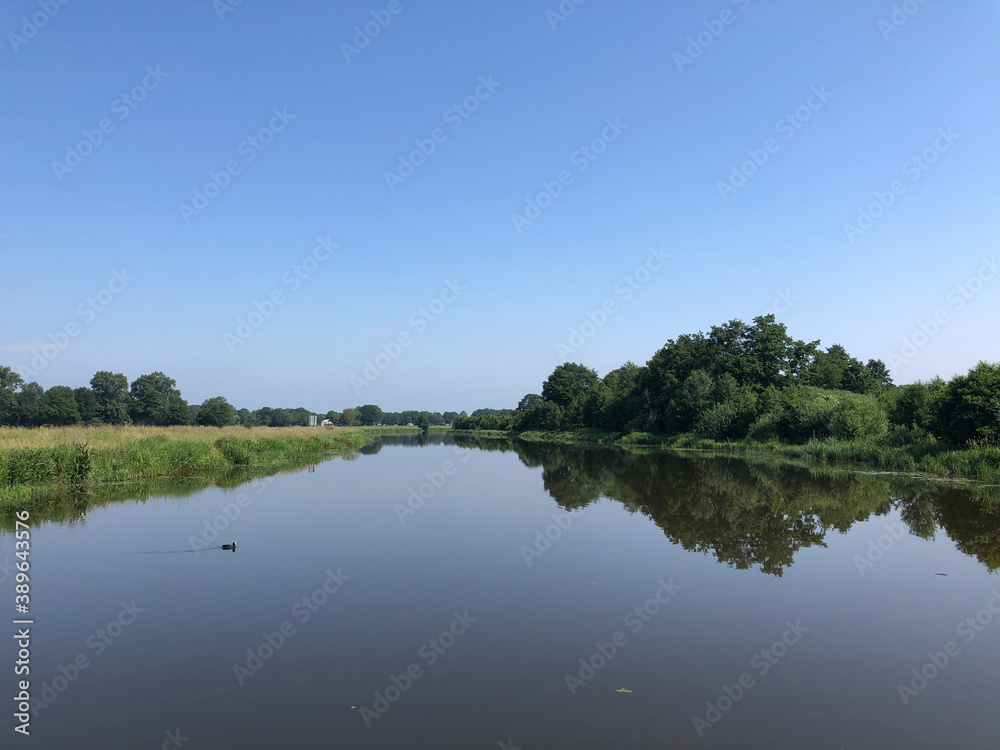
x=10 y=383
x=370 y=414
x=971 y=405
x=236 y=451
x=59 y=406
x=155 y=401
x=216 y=412
x=30 y=405
x=568 y=382
x=27 y=470
x=530 y=401
x=112 y=396
x=858 y=416
x=86 y=402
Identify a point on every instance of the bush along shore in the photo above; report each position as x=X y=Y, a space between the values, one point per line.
x=929 y=457
x=752 y=388
x=40 y=461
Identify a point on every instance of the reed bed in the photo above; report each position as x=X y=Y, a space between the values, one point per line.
x=45 y=458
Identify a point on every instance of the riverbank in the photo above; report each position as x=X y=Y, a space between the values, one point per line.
x=38 y=461
x=981 y=463
x=392 y=429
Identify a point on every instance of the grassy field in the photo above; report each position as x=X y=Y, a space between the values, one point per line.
x=926 y=457
x=43 y=459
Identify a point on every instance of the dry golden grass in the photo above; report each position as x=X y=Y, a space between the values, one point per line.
x=114 y=437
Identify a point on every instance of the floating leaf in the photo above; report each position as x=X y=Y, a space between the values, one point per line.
x=623 y=690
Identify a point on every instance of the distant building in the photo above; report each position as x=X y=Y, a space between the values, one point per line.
x=312 y=420
x=326 y=423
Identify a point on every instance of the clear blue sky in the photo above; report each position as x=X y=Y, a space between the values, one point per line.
x=885 y=93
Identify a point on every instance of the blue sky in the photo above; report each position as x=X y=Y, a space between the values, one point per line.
x=488 y=301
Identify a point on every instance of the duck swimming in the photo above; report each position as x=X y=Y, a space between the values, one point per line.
x=230 y=546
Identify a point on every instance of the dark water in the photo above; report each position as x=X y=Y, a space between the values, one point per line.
x=744 y=606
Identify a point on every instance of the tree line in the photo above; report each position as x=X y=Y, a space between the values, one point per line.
x=154 y=399
x=752 y=380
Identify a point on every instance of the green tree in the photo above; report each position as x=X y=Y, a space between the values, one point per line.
x=880 y=374
x=370 y=414
x=970 y=409
x=529 y=401
x=10 y=383
x=351 y=417
x=423 y=423
x=567 y=382
x=113 y=400
x=30 y=409
x=152 y=395
x=178 y=410
x=216 y=412
x=86 y=402
x=59 y=406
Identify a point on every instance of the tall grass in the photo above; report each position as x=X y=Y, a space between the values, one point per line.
x=42 y=459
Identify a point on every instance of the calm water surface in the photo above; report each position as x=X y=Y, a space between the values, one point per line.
x=743 y=606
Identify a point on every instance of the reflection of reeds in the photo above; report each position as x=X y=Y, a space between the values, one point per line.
x=33 y=460
x=70 y=504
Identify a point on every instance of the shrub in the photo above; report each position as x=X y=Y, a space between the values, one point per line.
x=858 y=417
x=236 y=451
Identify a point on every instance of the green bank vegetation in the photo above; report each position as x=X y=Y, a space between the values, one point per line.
x=752 y=388
x=41 y=460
